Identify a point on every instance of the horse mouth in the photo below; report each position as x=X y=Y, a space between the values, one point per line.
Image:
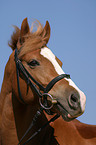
x=64 y=113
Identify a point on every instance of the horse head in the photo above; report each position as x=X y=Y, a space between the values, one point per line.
x=43 y=66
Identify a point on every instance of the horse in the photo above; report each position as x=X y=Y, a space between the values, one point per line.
x=39 y=103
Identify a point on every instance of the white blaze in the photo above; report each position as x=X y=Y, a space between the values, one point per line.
x=47 y=53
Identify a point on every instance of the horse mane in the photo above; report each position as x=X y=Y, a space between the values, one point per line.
x=14 y=38
x=36 y=38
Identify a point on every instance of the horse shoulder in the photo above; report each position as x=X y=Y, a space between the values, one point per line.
x=73 y=132
x=65 y=132
x=85 y=130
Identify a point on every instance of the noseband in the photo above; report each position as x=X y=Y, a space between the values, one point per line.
x=42 y=96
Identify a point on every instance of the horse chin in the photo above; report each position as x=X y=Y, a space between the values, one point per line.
x=64 y=113
x=67 y=117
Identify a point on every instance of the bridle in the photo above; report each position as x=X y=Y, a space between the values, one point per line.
x=42 y=96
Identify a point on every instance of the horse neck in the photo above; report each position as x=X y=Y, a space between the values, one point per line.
x=23 y=117
x=7 y=81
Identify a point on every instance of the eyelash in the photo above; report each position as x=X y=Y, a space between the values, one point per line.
x=33 y=63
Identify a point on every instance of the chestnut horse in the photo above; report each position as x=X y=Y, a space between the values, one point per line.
x=34 y=80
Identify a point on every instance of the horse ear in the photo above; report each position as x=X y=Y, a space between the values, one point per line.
x=24 y=29
x=46 y=32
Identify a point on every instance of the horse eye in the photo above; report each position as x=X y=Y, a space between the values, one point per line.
x=33 y=63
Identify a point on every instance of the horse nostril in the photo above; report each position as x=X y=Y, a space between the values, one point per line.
x=73 y=101
x=73 y=98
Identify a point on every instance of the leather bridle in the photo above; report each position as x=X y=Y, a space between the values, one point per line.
x=42 y=96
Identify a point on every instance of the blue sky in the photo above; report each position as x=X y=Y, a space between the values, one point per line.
x=73 y=39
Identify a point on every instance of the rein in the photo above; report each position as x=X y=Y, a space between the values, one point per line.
x=42 y=96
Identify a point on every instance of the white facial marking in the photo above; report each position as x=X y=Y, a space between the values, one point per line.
x=47 y=53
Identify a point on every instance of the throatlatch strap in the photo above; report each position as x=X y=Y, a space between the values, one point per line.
x=17 y=71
